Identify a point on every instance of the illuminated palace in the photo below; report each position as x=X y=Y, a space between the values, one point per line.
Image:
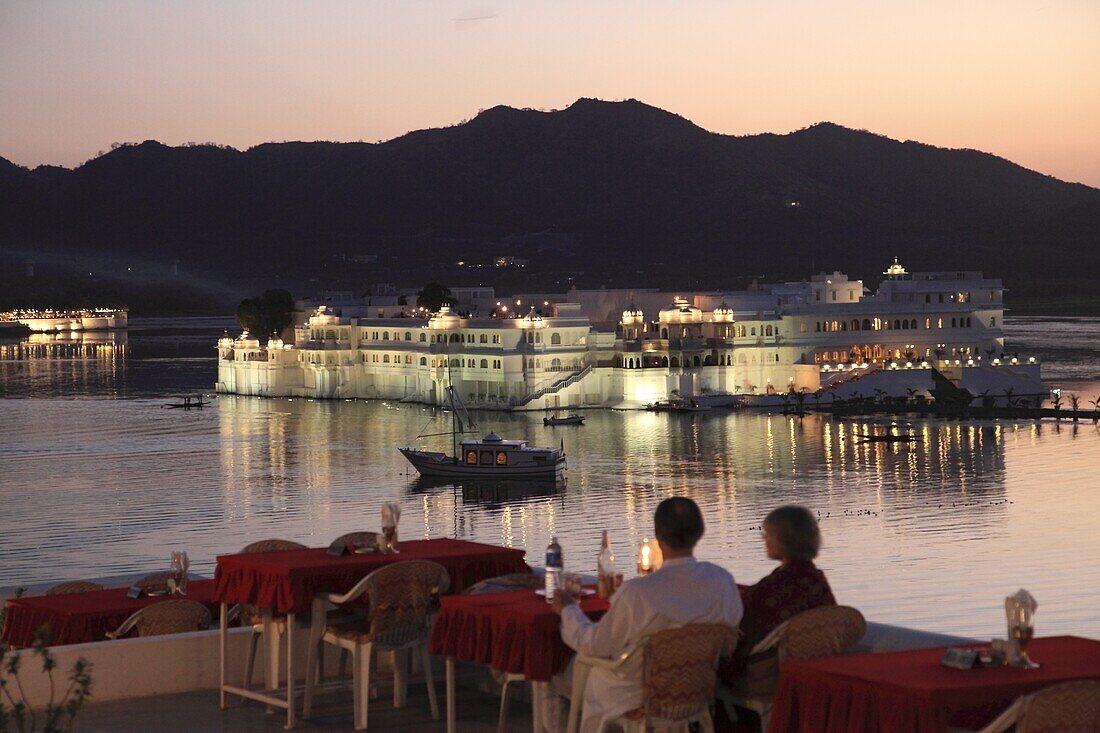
x=628 y=348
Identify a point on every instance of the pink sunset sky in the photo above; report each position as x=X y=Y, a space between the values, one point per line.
x=1014 y=78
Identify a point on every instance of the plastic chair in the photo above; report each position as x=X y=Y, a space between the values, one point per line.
x=73 y=586
x=503 y=584
x=252 y=615
x=820 y=632
x=678 y=677
x=167 y=617
x=1069 y=707
x=403 y=601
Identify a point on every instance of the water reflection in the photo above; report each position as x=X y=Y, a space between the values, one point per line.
x=930 y=534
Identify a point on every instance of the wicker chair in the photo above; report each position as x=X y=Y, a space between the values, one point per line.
x=252 y=615
x=357 y=539
x=820 y=632
x=403 y=600
x=1070 y=707
x=679 y=673
x=166 y=617
x=73 y=586
x=503 y=584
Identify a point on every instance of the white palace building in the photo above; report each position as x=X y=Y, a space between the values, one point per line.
x=629 y=348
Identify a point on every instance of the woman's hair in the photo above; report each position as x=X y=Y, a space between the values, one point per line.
x=678 y=523
x=796 y=531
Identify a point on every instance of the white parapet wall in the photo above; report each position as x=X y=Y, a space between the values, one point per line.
x=165 y=665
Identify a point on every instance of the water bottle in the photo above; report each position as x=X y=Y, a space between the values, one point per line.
x=554 y=566
x=605 y=571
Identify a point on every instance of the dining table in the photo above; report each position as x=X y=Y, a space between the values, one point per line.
x=912 y=692
x=286 y=582
x=514 y=632
x=86 y=616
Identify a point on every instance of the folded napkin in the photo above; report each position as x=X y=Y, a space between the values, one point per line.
x=391 y=514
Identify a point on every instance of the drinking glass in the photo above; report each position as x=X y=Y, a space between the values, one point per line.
x=1022 y=629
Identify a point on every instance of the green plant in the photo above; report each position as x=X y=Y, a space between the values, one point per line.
x=57 y=715
x=1074 y=404
x=268 y=315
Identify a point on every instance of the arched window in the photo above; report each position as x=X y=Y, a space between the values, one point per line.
x=855 y=324
x=454 y=362
x=555 y=365
x=408 y=336
x=664 y=361
x=423 y=361
x=675 y=362
x=866 y=324
x=484 y=363
x=752 y=331
x=777 y=358
x=695 y=361
x=708 y=360
x=484 y=338
x=953 y=325
x=664 y=333
x=408 y=358
x=769 y=331
x=422 y=337
x=385 y=358
x=555 y=339
x=385 y=335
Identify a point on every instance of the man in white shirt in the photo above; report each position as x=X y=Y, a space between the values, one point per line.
x=684 y=591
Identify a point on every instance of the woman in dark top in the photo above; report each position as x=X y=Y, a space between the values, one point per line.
x=792 y=537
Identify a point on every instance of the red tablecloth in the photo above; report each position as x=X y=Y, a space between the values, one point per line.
x=77 y=618
x=515 y=631
x=911 y=691
x=287 y=581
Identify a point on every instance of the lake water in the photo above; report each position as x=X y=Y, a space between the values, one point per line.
x=96 y=479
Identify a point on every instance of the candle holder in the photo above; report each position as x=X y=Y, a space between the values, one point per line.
x=649 y=557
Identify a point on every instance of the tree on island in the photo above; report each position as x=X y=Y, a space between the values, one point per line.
x=434 y=296
x=268 y=315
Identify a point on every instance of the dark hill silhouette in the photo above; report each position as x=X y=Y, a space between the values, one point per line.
x=629 y=193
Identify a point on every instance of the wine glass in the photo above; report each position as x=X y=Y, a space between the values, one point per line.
x=1021 y=629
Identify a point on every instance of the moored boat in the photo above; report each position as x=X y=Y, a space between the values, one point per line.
x=489 y=457
x=677 y=406
x=572 y=419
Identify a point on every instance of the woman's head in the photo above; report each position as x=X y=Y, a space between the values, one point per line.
x=791 y=533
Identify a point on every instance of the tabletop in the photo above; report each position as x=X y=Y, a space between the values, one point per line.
x=911 y=690
x=287 y=580
x=77 y=618
x=513 y=631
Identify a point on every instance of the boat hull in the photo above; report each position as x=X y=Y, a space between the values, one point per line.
x=437 y=464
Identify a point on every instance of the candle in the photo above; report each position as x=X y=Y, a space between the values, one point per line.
x=645 y=559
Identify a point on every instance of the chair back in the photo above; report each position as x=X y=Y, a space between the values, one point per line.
x=357 y=539
x=820 y=632
x=679 y=669
x=504 y=583
x=402 y=598
x=73 y=586
x=172 y=617
x=1070 y=707
x=271 y=546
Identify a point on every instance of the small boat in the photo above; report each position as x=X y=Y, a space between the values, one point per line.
x=572 y=419
x=488 y=457
x=886 y=438
x=677 y=406
x=187 y=404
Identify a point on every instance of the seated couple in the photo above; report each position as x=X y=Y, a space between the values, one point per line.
x=685 y=591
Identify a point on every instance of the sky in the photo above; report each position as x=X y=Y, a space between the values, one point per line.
x=1020 y=79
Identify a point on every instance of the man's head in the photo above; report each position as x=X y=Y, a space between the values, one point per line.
x=678 y=524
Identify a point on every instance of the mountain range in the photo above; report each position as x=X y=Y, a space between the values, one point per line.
x=614 y=193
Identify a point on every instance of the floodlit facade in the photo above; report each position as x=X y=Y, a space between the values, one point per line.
x=768 y=339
